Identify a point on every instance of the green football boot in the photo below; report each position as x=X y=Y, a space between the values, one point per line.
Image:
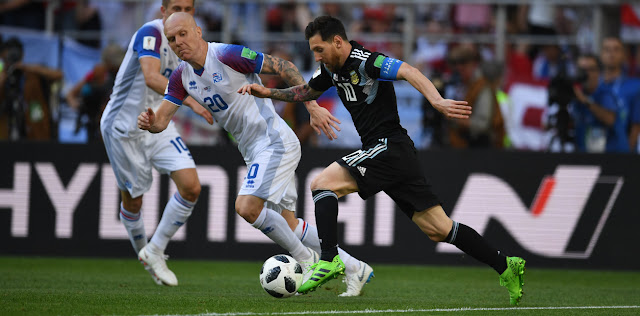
x=513 y=279
x=323 y=271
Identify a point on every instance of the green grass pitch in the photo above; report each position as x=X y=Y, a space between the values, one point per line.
x=75 y=286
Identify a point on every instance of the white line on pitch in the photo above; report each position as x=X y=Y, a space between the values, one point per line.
x=382 y=311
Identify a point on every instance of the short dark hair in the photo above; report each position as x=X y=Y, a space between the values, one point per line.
x=615 y=38
x=592 y=57
x=14 y=48
x=327 y=26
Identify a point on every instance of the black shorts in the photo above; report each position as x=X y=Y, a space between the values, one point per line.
x=392 y=167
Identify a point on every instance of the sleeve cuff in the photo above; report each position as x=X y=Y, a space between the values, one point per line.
x=173 y=100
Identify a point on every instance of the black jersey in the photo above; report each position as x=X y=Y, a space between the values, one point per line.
x=366 y=90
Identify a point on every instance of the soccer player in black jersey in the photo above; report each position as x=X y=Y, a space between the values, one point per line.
x=388 y=160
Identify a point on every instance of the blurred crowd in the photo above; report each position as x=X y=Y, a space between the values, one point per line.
x=536 y=93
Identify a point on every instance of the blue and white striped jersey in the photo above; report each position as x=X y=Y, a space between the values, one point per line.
x=252 y=121
x=130 y=95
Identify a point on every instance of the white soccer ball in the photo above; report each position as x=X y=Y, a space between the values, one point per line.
x=281 y=276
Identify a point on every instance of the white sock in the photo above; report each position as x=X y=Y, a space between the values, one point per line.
x=175 y=215
x=351 y=264
x=308 y=234
x=276 y=228
x=134 y=225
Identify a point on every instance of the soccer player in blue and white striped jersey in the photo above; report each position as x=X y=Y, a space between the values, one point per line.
x=139 y=84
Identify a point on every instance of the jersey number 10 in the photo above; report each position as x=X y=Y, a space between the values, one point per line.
x=349 y=92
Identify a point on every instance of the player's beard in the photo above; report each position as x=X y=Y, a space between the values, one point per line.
x=332 y=66
x=335 y=65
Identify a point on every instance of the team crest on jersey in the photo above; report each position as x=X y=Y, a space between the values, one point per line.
x=217 y=77
x=354 y=77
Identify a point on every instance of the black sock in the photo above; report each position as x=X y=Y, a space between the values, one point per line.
x=469 y=241
x=326 y=202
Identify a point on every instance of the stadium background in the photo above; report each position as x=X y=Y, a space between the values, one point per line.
x=60 y=199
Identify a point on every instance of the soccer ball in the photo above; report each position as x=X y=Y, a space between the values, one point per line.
x=281 y=276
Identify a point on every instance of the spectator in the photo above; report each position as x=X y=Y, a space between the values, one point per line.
x=87 y=19
x=519 y=65
x=594 y=110
x=430 y=55
x=634 y=64
x=22 y=13
x=538 y=18
x=551 y=62
x=79 y=16
x=379 y=20
x=338 y=10
x=117 y=30
x=90 y=95
x=291 y=17
x=626 y=89
x=24 y=95
x=288 y=17
x=485 y=127
x=211 y=16
x=472 y=17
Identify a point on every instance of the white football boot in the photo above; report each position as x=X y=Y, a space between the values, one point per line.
x=158 y=265
x=356 y=280
x=153 y=273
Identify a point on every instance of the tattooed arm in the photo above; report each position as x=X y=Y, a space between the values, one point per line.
x=285 y=69
x=299 y=91
x=320 y=118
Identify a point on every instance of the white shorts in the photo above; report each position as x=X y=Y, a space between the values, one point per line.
x=271 y=176
x=132 y=158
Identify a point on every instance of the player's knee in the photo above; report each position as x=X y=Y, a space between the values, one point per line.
x=191 y=192
x=133 y=205
x=435 y=234
x=318 y=183
x=249 y=214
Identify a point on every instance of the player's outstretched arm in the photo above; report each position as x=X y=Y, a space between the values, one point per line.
x=321 y=120
x=285 y=69
x=300 y=93
x=450 y=108
x=156 y=122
